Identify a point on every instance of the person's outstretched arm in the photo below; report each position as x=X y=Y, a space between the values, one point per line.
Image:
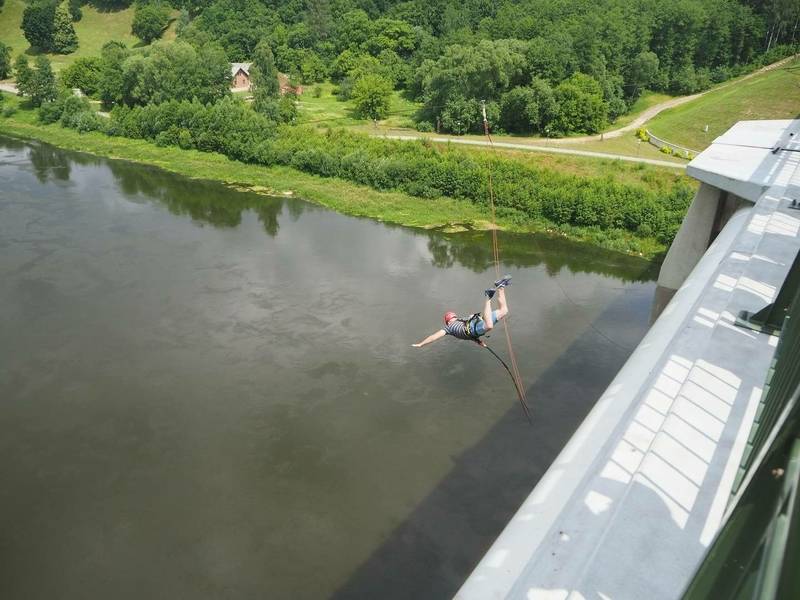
x=431 y=338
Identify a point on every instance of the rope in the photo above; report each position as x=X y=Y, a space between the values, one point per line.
x=497 y=255
x=520 y=393
x=514 y=370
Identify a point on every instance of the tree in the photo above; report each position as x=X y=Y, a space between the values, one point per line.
x=264 y=80
x=23 y=75
x=37 y=24
x=149 y=21
x=176 y=71
x=110 y=83
x=5 y=60
x=580 y=105
x=528 y=109
x=460 y=115
x=44 y=82
x=64 y=40
x=38 y=84
x=642 y=71
x=371 y=95
x=84 y=74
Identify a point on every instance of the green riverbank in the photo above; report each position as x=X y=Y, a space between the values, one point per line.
x=336 y=194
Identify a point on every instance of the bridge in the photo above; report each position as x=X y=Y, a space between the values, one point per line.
x=700 y=427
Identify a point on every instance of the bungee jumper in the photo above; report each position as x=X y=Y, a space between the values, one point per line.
x=475 y=326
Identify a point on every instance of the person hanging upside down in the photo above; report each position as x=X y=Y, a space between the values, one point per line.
x=474 y=326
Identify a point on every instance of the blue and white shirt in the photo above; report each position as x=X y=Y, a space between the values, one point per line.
x=458 y=329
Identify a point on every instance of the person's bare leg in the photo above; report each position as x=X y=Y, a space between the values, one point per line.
x=501 y=298
x=486 y=315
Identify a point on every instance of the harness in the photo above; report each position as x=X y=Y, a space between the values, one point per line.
x=470 y=323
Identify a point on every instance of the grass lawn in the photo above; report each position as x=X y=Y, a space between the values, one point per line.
x=628 y=145
x=327 y=109
x=617 y=170
x=774 y=94
x=93 y=30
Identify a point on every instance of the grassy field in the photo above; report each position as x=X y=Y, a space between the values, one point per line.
x=346 y=197
x=93 y=30
x=327 y=109
x=773 y=94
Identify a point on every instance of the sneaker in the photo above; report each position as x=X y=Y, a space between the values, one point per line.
x=501 y=283
x=490 y=293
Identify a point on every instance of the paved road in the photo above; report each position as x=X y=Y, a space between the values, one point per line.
x=534 y=148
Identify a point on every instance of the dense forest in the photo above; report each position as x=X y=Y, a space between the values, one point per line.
x=550 y=67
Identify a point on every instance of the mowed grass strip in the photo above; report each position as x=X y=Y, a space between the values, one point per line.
x=95 y=29
x=773 y=94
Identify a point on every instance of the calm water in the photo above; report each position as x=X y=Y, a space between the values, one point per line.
x=207 y=393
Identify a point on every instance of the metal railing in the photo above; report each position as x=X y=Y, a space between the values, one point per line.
x=675 y=149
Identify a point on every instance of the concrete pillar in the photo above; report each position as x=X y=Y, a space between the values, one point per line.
x=693 y=238
x=689 y=245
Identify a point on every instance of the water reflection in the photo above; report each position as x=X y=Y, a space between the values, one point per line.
x=204 y=201
x=188 y=408
x=213 y=203
x=49 y=163
x=474 y=251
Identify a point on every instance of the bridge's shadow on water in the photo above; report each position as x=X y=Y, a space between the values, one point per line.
x=436 y=548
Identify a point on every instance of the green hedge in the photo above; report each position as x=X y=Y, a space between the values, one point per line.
x=417 y=168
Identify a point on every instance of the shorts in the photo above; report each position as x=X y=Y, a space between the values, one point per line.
x=479 y=327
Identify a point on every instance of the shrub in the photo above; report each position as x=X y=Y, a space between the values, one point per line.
x=522 y=192
x=665 y=149
x=9 y=110
x=424 y=126
x=50 y=112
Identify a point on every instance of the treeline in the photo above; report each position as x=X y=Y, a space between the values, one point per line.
x=521 y=56
x=523 y=193
x=550 y=67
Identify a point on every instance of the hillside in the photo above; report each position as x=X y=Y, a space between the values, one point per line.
x=773 y=94
x=94 y=29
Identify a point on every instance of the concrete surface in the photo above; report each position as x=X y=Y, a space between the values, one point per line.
x=633 y=501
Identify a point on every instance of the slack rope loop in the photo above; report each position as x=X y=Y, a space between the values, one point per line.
x=520 y=393
x=514 y=370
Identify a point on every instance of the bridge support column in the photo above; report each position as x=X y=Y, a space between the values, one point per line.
x=707 y=214
x=693 y=237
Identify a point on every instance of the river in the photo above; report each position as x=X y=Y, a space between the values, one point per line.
x=209 y=393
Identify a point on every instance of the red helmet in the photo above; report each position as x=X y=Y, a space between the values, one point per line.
x=449 y=315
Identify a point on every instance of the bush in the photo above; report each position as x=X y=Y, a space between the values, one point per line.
x=424 y=126
x=9 y=110
x=50 y=112
x=522 y=192
x=665 y=149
